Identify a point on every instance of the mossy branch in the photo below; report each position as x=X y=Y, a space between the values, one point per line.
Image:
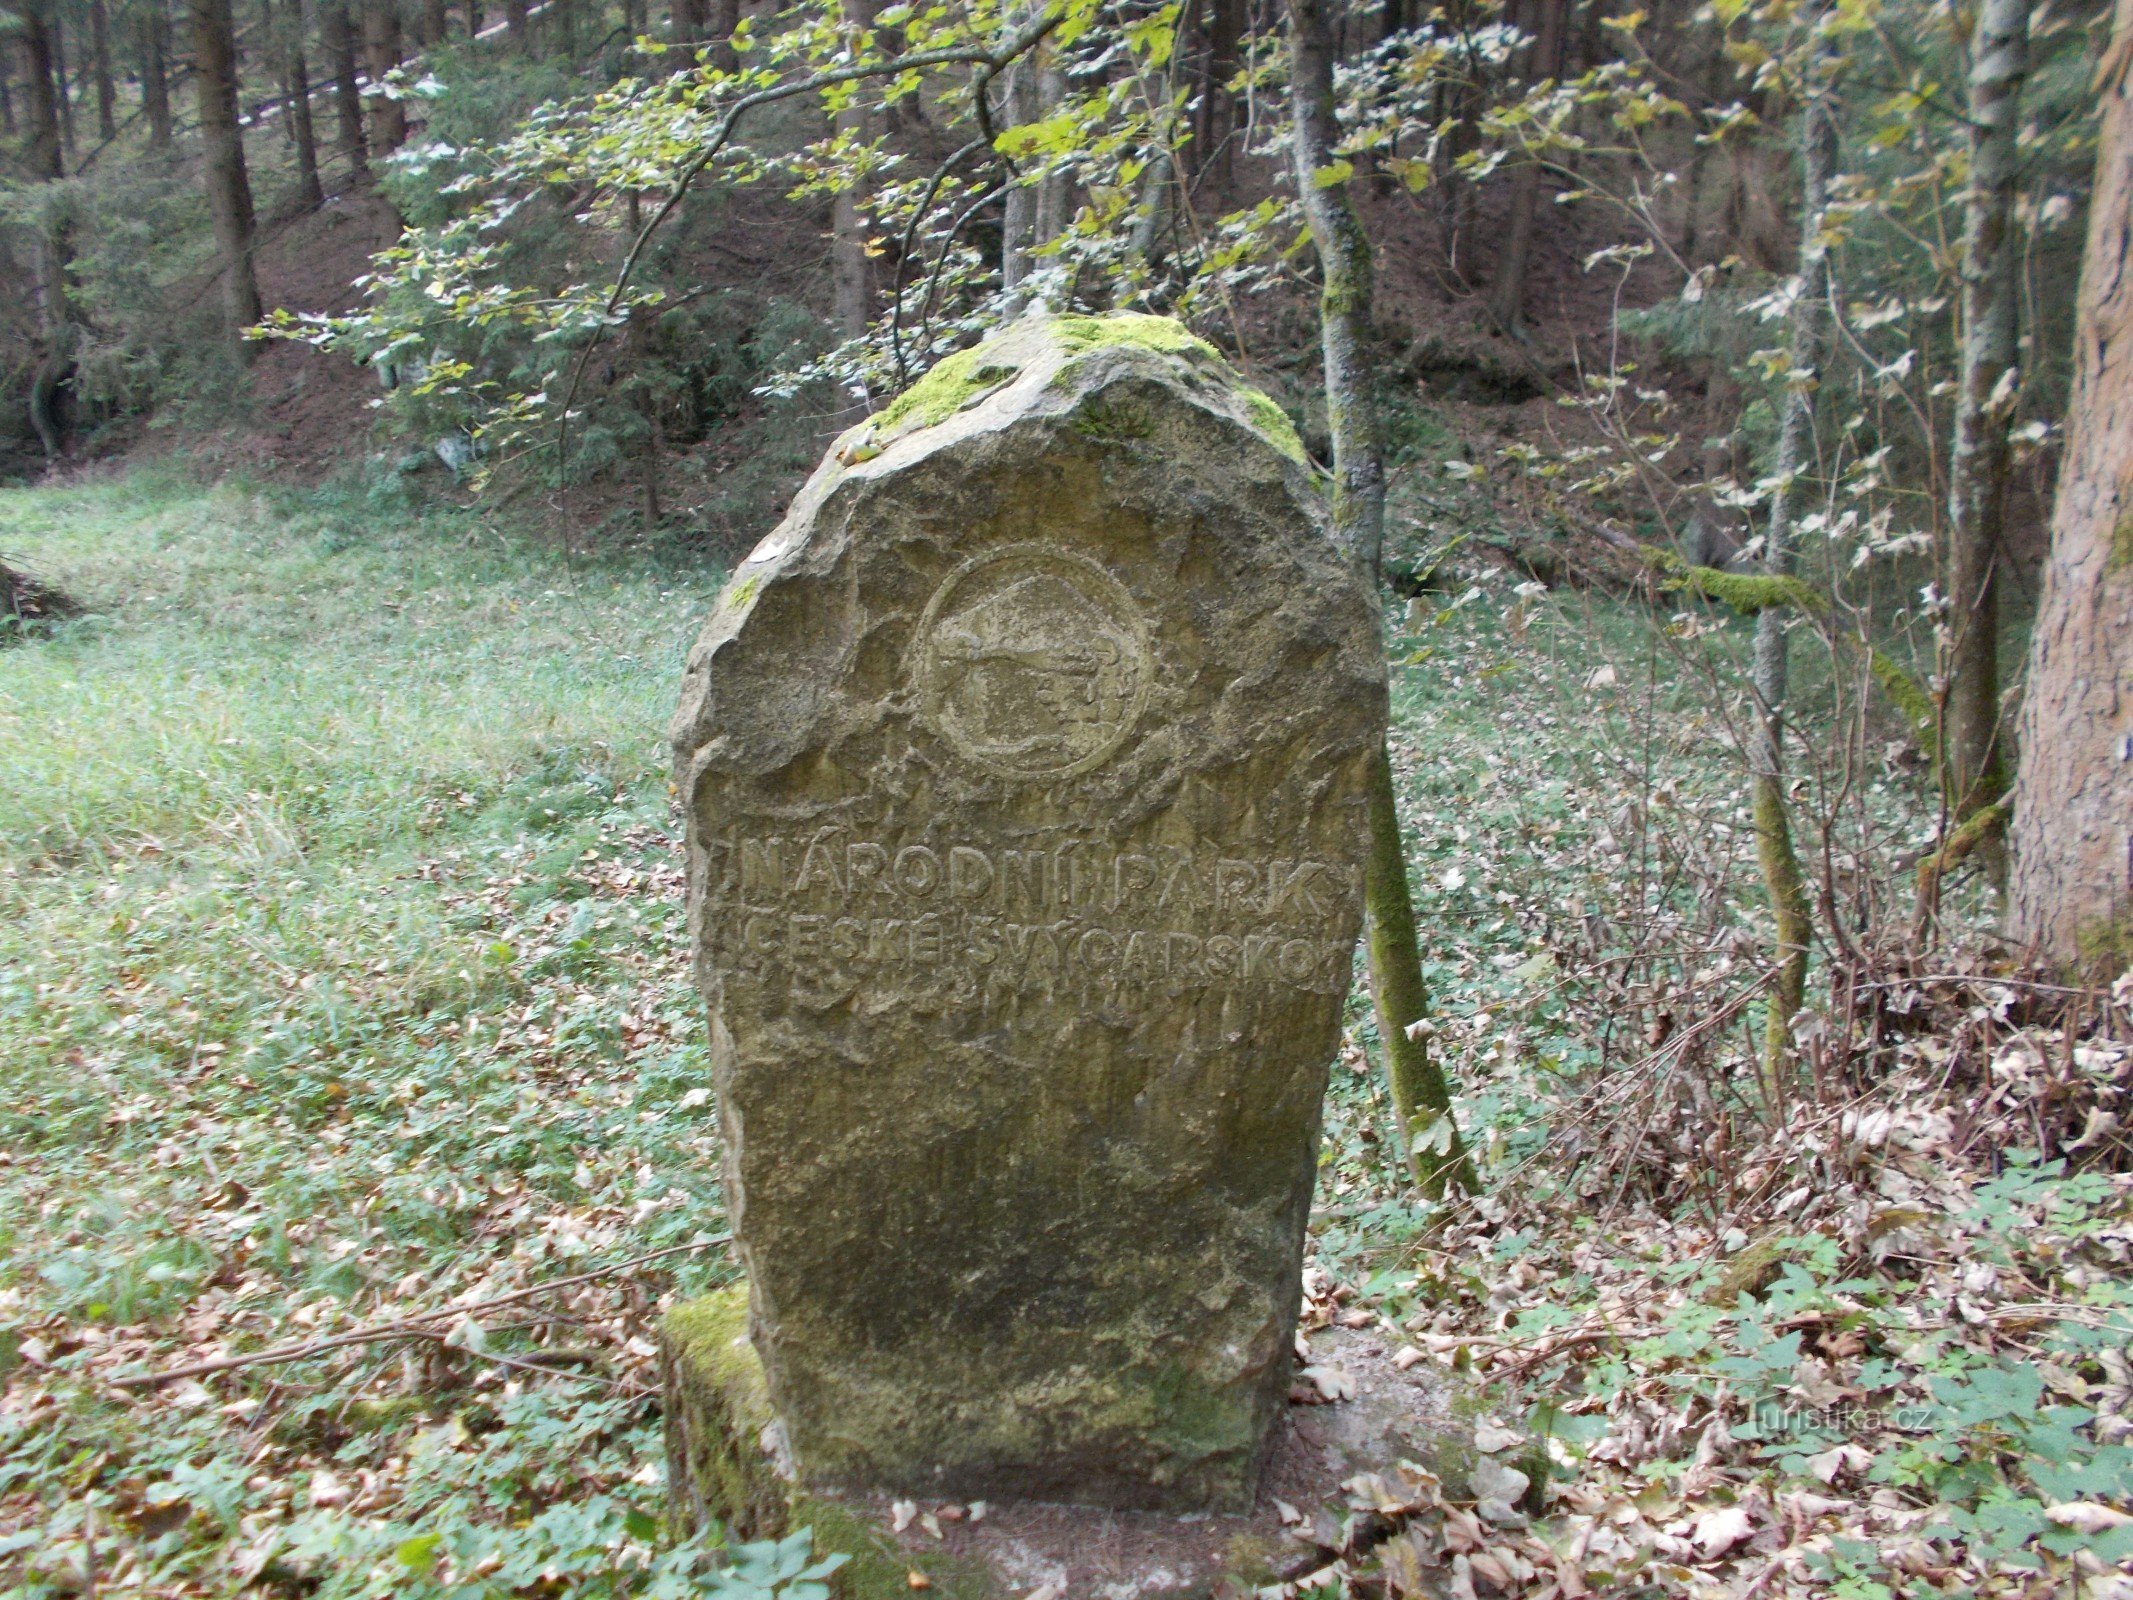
x=1749 y=593
x=1908 y=696
x=1978 y=829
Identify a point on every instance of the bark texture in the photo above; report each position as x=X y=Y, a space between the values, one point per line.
x=100 y=65
x=229 y=188
x=44 y=158
x=382 y=52
x=155 y=72
x=296 y=76
x=338 y=35
x=2070 y=893
x=1974 y=773
x=1809 y=337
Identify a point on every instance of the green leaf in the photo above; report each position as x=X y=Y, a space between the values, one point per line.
x=419 y=1554
x=1333 y=175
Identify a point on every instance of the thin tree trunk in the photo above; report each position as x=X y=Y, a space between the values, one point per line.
x=309 y=191
x=1215 y=123
x=2070 y=893
x=1018 y=227
x=61 y=91
x=155 y=72
x=46 y=163
x=382 y=53
x=1055 y=190
x=1783 y=880
x=337 y=33
x=100 y=64
x=473 y=19
x=1507 y=291
x=561 y=22
x=1421 y=1099
x=849 y=268
x=7 y=94
x=229 y=189
x=1974 y=773
x=436 y=23
x=517 y=28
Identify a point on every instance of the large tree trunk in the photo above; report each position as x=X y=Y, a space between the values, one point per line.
x=229 y=189
x=1421 y=1099
x=100 y=65
x=1507 y=290
x=1782 y=879
x=337 y=33
x=2070 y=895
x=382 y=52
x=155 y=71
x=44 y=157
x=1973 y=773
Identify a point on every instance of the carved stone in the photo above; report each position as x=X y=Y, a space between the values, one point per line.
x=1025 y=774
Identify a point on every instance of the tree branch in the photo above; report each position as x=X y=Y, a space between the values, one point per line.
x=415 y=1327
x=993 y=62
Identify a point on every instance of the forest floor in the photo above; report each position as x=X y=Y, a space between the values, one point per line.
x=344 y=1007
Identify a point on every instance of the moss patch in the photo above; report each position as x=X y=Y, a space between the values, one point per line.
x=1275 y=423
x=1111 y=422
x=1080 y=335
x=955 y=382
x=736 y=596
x=1749 y=592
x=2106 y=944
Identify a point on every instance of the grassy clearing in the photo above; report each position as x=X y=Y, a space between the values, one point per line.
x=340 y=972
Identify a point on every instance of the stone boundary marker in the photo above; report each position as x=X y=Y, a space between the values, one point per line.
x=1025 y=768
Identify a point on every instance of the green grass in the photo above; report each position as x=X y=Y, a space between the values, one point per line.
x=341 y=970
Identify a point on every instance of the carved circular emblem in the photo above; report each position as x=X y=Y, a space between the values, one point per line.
x=1031 y=662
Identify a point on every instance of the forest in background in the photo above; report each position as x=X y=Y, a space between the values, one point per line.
x=1700 y=383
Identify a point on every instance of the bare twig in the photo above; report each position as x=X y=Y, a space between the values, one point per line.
x=414 y=1327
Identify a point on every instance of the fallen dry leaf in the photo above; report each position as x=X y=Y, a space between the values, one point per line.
x=1718 y=1531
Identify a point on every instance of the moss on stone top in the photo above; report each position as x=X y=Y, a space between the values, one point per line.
x=962 y=379
x=1080 y=335
x=954 y=383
